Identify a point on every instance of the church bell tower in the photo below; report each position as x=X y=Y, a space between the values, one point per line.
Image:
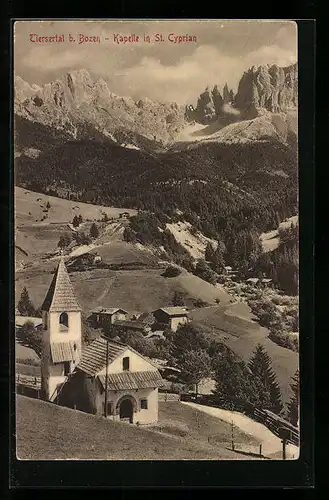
x=61 y=319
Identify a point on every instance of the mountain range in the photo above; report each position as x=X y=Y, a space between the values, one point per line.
x=76 y=107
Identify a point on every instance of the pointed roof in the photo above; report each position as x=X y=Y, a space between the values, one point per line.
x=60 y=296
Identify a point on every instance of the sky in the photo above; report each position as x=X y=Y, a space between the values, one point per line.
x=161 y=71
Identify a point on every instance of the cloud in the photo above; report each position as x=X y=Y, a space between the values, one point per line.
x=50 y=60
x=166 y=72
x=273 y=54
x=183 y=81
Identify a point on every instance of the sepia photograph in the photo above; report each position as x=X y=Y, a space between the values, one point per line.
x=156 y=240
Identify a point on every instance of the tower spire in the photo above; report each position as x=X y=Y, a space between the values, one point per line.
x=60 y=295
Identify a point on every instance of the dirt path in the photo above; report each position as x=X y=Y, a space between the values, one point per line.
x=271 y=444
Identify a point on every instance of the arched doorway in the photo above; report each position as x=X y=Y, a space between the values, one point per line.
x=126 y=410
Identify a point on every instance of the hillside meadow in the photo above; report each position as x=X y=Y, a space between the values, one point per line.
x=46 y=432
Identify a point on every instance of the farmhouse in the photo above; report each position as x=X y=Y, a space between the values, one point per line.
x=108 y=316
x=106 y=377
x=22 y=320
x=134 y=326
x=170 y=317
x=124 y=215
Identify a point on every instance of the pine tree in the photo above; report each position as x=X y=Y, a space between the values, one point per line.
x=264 y=377
x=25 y=305
x=94 y=232
x=209 y=253
x=64 y=241
x=178 y=299
x=293 y=405
x=186 y=338
x=75 y=221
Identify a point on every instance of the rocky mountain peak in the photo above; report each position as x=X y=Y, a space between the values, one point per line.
x=270 y=88
x=79 y=106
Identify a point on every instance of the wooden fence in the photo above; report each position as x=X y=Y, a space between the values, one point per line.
x=277 y=424
x=167 y=396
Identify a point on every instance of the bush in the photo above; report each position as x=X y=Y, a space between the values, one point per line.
x=200 y=303
x=171 y=272
x=178 y=299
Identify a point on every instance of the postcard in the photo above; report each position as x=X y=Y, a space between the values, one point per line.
x=156 y=240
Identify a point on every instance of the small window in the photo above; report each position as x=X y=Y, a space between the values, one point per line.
x=66 y=367
x=143 y=404
x=125 y=363
x=64 y=319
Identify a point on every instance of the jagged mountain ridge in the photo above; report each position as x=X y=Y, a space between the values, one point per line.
x=261 y=88
x=77 y=106
x=268 y=88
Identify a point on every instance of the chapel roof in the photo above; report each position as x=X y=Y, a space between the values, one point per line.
x=131 y=380
x=60 y=296
x=93 y=358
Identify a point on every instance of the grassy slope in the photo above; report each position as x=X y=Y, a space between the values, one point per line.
x=61 y=210
x=45 y=431
x=235 y=327
x=134 y=290
x=38 y=237
x=195 y=425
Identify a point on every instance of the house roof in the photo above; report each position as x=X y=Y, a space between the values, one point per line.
x=174 y=311
x=147 y=318
x=93 y=357
x=132 y=380
x=266 y=280
x=60 y=296
x=62 y=351
x=21 y=320
x=252 y=280
x=108 y=310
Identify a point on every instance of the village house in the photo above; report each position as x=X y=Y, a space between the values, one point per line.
x=170 y=317
x=104 y=317
x=105 y=377
x=85 y=260
x=146 y=318
x=134 y=326
x=22 y=320
x=124 y=215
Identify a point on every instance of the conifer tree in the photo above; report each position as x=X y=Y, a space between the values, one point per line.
x=293 y=405
x=75 y=221
x=64 y=240
x=94 y=232
x=264 y=377
x=25 y=305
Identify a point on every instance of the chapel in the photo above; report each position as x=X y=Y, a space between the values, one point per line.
x=104 y=377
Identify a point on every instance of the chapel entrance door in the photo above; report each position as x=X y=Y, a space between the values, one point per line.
x=126 y=411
